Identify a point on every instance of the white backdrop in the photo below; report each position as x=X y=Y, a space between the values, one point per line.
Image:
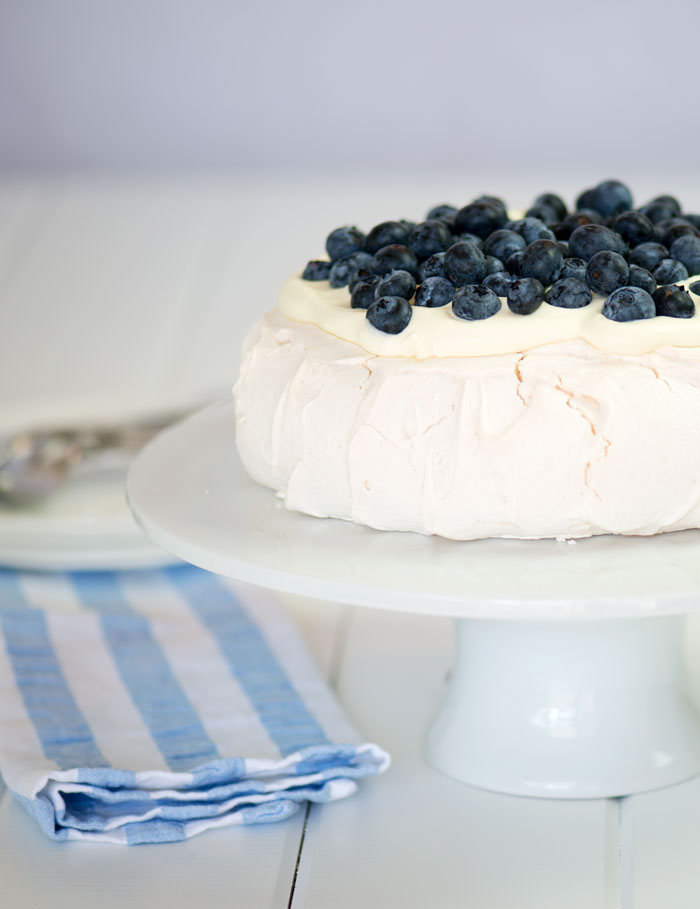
x=182 y=84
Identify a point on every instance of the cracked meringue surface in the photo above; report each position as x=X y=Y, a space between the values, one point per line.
x=563 y=439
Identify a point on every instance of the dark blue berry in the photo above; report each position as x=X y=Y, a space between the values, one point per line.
x=568 y=225
x=628 y=304
x=659 y=211
x=531 y=229
x=493 y=265
x=430 y=237
x=585 y=200
x=671 y=202
x=503 y=243
x=569 y=293
x=480 y=218
x=640 y=277
x=390 y=314
x=555 y=202
x=497 y=202
x=543 y=213
x=695 y=288
x=434 y=267
x=687 y=250
x=363 y=293
x=606 y=272
x=589 y=239
x=396 y=284
x=674 y=302
x=361 y=273
x=669 y=271
x=317 y=270
x=386 y=234
x=474 y=302
x=446 y=213
x=514 y=262
x=465 y=264
x=694 y=220
x=573 y=268
x=469 y=238
x=342 y=269
x=499 y=282
x=395 y=258
x=434 y=292
x=648 y=255
x=610 y=198
x=542 y=260
x=634 y=228
x=525 y=295
x=677 y=227
x=344 y=241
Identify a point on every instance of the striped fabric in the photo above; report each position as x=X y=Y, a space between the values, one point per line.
x=146 y=707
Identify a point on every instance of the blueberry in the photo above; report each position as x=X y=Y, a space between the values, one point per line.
x=633 y=227
x=568 y=225
x=543 y=213
x=606 y=272
x=446 y=213
x=589 y=239
x=627 y=304
x=499 y=282
x=342 y=269
x=586 y=200
x=390 y=314
x=317 y=270
x=569 y=293
x=396 y=284
x=648 y=255
x=658 y=211
x=464 y=264
x=610 y=198
x=430 y=237
x=361 y=273
x=386 y=234
x=435 y=292
x=474 y=302
x=503 y=243
x=514 y=262
x=394 y=258
x=469 y=238
x=480 y=218
x=674 y=302
x=640 y=277
x=434 y=267
x=669 y=271
x=556 y=203
x=694 y=220
x=687 y=250
x=497 y=202
x=363 y=293
x=493 y=265
x=542 y=260
x=675 y=228
x=525 y=295
x=344 y=241
x=573 y=268
x=695 y=288
x=531 y=229
x=670 y=202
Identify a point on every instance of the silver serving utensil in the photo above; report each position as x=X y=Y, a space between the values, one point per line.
x=35 y=463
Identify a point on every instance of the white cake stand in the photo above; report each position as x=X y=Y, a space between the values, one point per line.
x=570 y=678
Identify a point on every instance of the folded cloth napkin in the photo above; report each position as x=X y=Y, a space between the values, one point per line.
x=148 y=706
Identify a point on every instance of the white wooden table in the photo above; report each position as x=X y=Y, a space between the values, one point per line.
x=140 y=291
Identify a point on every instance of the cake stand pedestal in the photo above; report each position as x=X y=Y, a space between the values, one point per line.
x=570 y=679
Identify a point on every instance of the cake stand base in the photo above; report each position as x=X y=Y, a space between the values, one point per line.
x=582 y=709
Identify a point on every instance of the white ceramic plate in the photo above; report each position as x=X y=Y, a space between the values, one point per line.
x=190 y=493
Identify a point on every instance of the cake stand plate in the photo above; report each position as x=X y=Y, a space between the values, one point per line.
x=569 y=679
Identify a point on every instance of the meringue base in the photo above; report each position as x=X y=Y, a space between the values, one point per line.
x=562 y=440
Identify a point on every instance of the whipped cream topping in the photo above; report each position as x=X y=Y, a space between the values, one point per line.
x=439 y=333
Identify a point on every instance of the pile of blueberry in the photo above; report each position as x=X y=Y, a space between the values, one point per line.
x=471 y=256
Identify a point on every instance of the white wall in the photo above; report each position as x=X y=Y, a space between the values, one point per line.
x=208 y=83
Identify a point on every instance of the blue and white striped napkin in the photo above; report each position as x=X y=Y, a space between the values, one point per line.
x=148 y=706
